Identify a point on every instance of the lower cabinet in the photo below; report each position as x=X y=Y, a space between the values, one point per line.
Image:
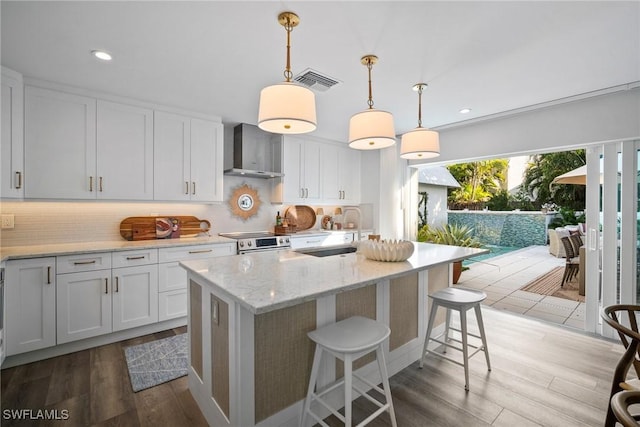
x=135 y=296
x=30 y=293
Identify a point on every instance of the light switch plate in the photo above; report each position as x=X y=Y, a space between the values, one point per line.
x=8 y=221
x=214 y=311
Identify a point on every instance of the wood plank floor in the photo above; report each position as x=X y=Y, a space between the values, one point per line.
x=543 y=375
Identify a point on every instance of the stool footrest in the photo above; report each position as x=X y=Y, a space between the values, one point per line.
x=451 y=328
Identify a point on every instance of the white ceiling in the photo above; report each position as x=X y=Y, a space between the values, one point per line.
x=214 y=57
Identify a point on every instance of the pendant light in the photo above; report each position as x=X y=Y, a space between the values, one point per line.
x=371 y=129
x=420 y=143
x=287 y=107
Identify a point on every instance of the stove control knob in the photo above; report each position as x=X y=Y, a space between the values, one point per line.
x=281 y=241
x=249 y=244
x=287 y=240
x=241 y=244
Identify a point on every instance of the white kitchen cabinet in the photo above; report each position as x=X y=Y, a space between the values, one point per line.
x=124 y=152
x=301 y=168
x=135 y=296
x=172 y=278
x=340 y=174
x=83 y=305
x=30 y=292
x=60 y=145
x=12 y=140
x=188 y=158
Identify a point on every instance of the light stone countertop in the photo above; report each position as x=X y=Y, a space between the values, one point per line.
x=266 y=281
x=36 y=251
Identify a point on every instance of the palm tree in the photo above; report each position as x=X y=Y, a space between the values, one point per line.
x=543 y=168
x=478 y=180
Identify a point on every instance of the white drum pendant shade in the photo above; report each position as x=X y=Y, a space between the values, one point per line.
x=371 y=130
x=420 y=143
x=287 y=108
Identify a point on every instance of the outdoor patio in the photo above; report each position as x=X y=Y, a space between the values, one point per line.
x=502 y=277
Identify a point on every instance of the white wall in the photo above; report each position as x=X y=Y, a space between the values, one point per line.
x=436 y=204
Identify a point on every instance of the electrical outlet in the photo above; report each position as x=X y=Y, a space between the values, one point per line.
x=7 y=221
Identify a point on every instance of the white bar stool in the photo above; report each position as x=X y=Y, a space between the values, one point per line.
x=461 y=300
x=349 y=340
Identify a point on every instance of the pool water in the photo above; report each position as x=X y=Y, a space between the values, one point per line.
x=494 y=251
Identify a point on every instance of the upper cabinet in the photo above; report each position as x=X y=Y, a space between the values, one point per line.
x=188 y=158
x=124 y=152
x=317 y=172
x=60 y=145
x=12 y=141
x=79 y=147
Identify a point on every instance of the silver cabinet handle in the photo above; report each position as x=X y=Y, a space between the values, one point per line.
x=193 y=190
x=84 y=262
x=131 y=258
x=301 y=193
x=18 y=180
x=100 y=183
x=48 y=275
x=186 y=191
x=106 y=285
x=203 y=251
x=90 y=183
x=117 y=284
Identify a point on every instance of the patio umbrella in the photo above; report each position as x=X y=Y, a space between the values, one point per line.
x=576 y=176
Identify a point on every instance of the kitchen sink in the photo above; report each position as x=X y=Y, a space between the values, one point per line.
x=330 y=251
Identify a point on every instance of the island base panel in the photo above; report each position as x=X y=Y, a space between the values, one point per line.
x=403 y=310
x=220 y=353
x=283 y=357
x=195 y=323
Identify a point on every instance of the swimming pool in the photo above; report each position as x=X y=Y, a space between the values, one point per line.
x=494 y=251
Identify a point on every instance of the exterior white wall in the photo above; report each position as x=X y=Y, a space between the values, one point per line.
x=436 y=204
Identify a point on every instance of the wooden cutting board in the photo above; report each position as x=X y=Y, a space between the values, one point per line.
x=151 y=227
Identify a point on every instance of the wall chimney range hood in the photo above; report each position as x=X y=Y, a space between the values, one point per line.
x=256 y=153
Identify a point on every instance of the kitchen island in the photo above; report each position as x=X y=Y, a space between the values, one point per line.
x=249 y=315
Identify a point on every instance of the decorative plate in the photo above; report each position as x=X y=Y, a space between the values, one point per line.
x=304 y=217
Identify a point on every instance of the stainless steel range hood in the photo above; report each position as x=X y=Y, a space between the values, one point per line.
x=256 y=153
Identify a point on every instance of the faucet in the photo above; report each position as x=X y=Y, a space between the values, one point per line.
x=357 y=210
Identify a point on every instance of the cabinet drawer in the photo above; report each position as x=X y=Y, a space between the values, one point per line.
x=83 y=262
x=137 y=257
x=183 y=253
x=171 y=277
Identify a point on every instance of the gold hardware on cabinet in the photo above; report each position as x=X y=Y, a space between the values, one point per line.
x=131 y=258
x=204 y=251
x=19 y=179
x=84 y=262
x=106 y=285
x=193 y=184
x=117 y=283
x=90 y=183
x=48 y=275
x=186 y=191
x=100 y=180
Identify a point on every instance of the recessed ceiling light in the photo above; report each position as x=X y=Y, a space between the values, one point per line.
x=465 y=110
x=102 y=55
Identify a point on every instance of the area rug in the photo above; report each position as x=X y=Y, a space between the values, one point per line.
x=549 y=284
x=157 y=362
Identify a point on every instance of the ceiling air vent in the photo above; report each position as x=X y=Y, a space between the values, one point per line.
x=315 y=80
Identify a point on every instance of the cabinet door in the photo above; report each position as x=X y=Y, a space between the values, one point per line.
x=12 y=141
x=83 y=305
x=60 y=145
x=349 y=176
x=124 y=152
x=311 y=170
x=330 y=164
x=135 y=296
x=292 y=186
x=30 y=293
x=171 y=277
x=206 y=161
x=171 y=157
x=172 y=304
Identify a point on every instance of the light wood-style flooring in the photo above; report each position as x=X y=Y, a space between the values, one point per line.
x=542 y=375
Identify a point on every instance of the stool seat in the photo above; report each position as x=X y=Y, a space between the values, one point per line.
x=351 y=335
x=459 y=295
x=349 y=340
x=460 y=300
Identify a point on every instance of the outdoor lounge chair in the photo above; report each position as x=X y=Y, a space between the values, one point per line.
x=572 y=264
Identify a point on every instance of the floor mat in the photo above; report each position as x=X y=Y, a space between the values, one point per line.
x=157 y=362
x=549 y=284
